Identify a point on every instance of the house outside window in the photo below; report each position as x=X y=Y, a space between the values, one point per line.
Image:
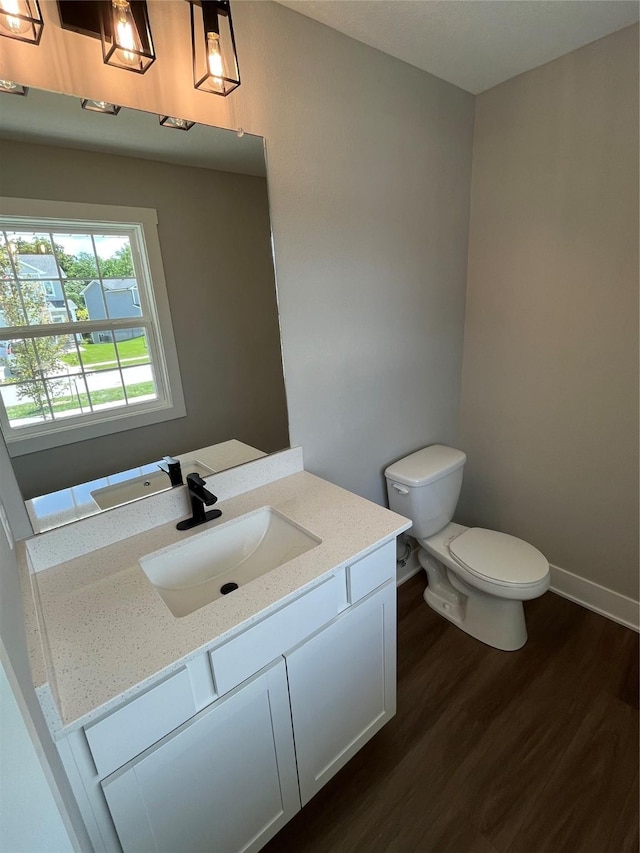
x=111 y=364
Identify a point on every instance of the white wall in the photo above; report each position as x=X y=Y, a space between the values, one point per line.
x=30 y=821
x=369 y=168
x=15 y=661
x=550 y=389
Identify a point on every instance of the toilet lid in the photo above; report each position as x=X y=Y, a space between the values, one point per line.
x=499 y=557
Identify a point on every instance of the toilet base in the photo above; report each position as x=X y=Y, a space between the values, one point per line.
x=498 y=622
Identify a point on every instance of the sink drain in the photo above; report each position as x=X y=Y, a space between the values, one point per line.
x=226 y=588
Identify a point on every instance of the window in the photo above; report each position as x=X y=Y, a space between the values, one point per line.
x=95 y=273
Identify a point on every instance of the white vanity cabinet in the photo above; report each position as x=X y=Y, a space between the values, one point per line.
x=292 y=698
x=224 y=781
x=342 y=688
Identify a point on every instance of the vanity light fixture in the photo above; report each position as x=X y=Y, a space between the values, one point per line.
x=11 y=88
x=126 y=36
x=100 y=107
x=213 y=47
x=21 y=20
x=176 y=123
x=121 y=25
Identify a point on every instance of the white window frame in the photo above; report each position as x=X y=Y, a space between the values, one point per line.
x=68 y=217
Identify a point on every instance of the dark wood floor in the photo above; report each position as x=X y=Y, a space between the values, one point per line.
x=534 y=751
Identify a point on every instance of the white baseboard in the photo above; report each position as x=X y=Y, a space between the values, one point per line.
x=588 y=594
x=594 y=597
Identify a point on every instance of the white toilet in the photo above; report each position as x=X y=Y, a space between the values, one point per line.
x=477 y=578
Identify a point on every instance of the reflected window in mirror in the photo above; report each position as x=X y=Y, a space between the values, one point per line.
x=99 y=281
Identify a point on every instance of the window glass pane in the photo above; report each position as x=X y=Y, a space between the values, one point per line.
x=114 y=256
x=38 y=358
x=32 y=291
x=133 y=348
x=77 y=260
x=12 y=309
x=42 y=301
x=25 y=403
x=76 y=256
x=32 y=253
x=116 y=299
x=139 y=383
x=97 y=352
x=46 y=378
x=73 y=290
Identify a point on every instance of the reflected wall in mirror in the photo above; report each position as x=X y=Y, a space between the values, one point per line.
x=209 y=189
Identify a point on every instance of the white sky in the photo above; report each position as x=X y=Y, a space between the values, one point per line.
x=105 y=246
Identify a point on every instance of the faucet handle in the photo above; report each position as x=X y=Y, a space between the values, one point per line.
x=195 y=480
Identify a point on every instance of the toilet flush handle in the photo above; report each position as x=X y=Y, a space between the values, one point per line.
x=400 y=489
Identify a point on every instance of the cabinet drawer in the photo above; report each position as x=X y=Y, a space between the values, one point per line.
x=241 y=657
x=372 y=571
x=128 y=731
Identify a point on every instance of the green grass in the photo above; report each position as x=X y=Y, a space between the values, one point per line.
x=63 y=404
x=133 y=351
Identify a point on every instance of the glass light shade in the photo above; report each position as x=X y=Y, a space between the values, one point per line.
x=100 y=107
x=213 y=47
x=11 y=88
x=126 y=37
x=176 y=123
x=21 y=20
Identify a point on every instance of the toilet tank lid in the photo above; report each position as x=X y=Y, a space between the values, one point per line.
x=426 y=465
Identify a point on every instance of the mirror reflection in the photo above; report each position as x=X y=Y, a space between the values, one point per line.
x=208 y=190
x=66 y=505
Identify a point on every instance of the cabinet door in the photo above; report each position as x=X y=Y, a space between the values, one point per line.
x=342 y=686
x=225 y=781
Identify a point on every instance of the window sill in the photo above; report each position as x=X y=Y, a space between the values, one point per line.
x=70 y=433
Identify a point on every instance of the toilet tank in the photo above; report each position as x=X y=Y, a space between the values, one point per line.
x=425 y=487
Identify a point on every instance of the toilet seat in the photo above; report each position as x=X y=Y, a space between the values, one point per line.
x=499 y=558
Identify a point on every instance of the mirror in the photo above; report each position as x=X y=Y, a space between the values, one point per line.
x=71 y=504
x=209 y=189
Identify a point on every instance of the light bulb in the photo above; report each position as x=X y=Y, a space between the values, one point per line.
x=126 y=33
x=8 y=9
x=215 y=62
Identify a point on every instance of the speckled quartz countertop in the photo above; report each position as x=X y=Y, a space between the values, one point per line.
x=108 y=634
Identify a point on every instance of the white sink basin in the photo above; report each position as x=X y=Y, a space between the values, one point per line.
x=145 y=484
x=192 y=573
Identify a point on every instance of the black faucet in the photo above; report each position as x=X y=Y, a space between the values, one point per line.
x=172 y=467
x=199 y=496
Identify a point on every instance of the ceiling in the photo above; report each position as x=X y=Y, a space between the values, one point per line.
x=474 y=44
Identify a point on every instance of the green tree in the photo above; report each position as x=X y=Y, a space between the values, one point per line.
x=119 y=265
x=34 y=360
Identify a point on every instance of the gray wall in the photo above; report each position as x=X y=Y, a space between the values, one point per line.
x=550 y=386
x=215 y=240
x=369 y=170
